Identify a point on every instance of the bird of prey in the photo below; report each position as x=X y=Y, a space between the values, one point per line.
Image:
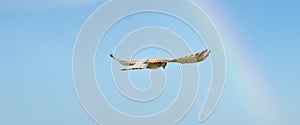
x=155 y=63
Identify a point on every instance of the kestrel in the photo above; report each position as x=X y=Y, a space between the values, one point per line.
x=155 y=63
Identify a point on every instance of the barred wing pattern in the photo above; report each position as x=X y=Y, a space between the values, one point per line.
x=194 y=58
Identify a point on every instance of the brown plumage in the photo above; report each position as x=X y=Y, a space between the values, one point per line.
x=155 y=63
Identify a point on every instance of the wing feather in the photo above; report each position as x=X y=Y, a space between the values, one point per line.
x=138 y=65
x=123 y=62
x=194 y=58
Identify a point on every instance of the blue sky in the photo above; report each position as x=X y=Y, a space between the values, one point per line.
x=260 y=39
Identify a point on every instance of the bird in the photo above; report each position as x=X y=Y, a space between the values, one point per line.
x=155 y=63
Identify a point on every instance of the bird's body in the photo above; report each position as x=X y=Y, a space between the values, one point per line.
x=155 y=63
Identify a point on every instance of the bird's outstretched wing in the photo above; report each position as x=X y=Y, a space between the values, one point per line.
x=123 y=62
x=194 y=58
x=138 y=65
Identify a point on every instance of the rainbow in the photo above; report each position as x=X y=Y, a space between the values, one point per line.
x=246 y=76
